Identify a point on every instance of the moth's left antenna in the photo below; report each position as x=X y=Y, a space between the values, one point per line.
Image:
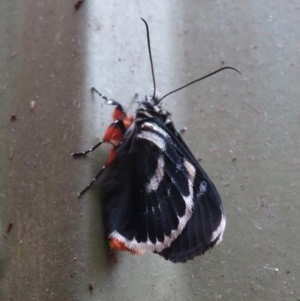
x=150 y=55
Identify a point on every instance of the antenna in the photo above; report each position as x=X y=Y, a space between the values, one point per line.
x=197 y=80
x=150 y=55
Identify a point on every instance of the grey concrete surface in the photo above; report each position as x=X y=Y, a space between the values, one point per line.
x=245 y=129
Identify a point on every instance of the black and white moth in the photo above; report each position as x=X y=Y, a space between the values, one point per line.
x=157 y=197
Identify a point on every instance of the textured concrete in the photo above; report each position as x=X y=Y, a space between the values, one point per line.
x=245 y=129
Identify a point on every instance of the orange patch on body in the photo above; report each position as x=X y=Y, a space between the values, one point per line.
x=118 y=114
x=111 y=156
x=115 y=132
x=113 y=135
x=128 y=121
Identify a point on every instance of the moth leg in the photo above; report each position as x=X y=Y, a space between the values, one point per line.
x=84 y=153
x=133 y=101
x=108 y=100
x=92 y=182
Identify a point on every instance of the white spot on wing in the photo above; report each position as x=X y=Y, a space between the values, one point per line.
x=147 y=114
x=218 y=233
x=158 y=175
x=154 y=138
x=155 y=128
x=192 y=172
x=142 y=247
x=203 y=187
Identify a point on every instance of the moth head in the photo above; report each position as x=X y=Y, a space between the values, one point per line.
x=152 y=108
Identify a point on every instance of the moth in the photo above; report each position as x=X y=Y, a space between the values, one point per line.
x=157 y=197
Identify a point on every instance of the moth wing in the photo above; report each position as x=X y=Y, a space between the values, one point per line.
x=206 y=226
x=148 y=191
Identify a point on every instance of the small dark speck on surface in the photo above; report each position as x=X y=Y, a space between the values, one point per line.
x=9 y=227
x=11 y=154
x=13 y=116
x=78 y=4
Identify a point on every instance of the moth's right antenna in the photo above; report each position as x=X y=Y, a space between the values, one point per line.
x=197 y=80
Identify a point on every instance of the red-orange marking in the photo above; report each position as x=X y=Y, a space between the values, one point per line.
x=114 y=133
x=115 y=244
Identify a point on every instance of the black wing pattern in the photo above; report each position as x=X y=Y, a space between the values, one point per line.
x=160 y=193
x=207 y=224
x=205 y=227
